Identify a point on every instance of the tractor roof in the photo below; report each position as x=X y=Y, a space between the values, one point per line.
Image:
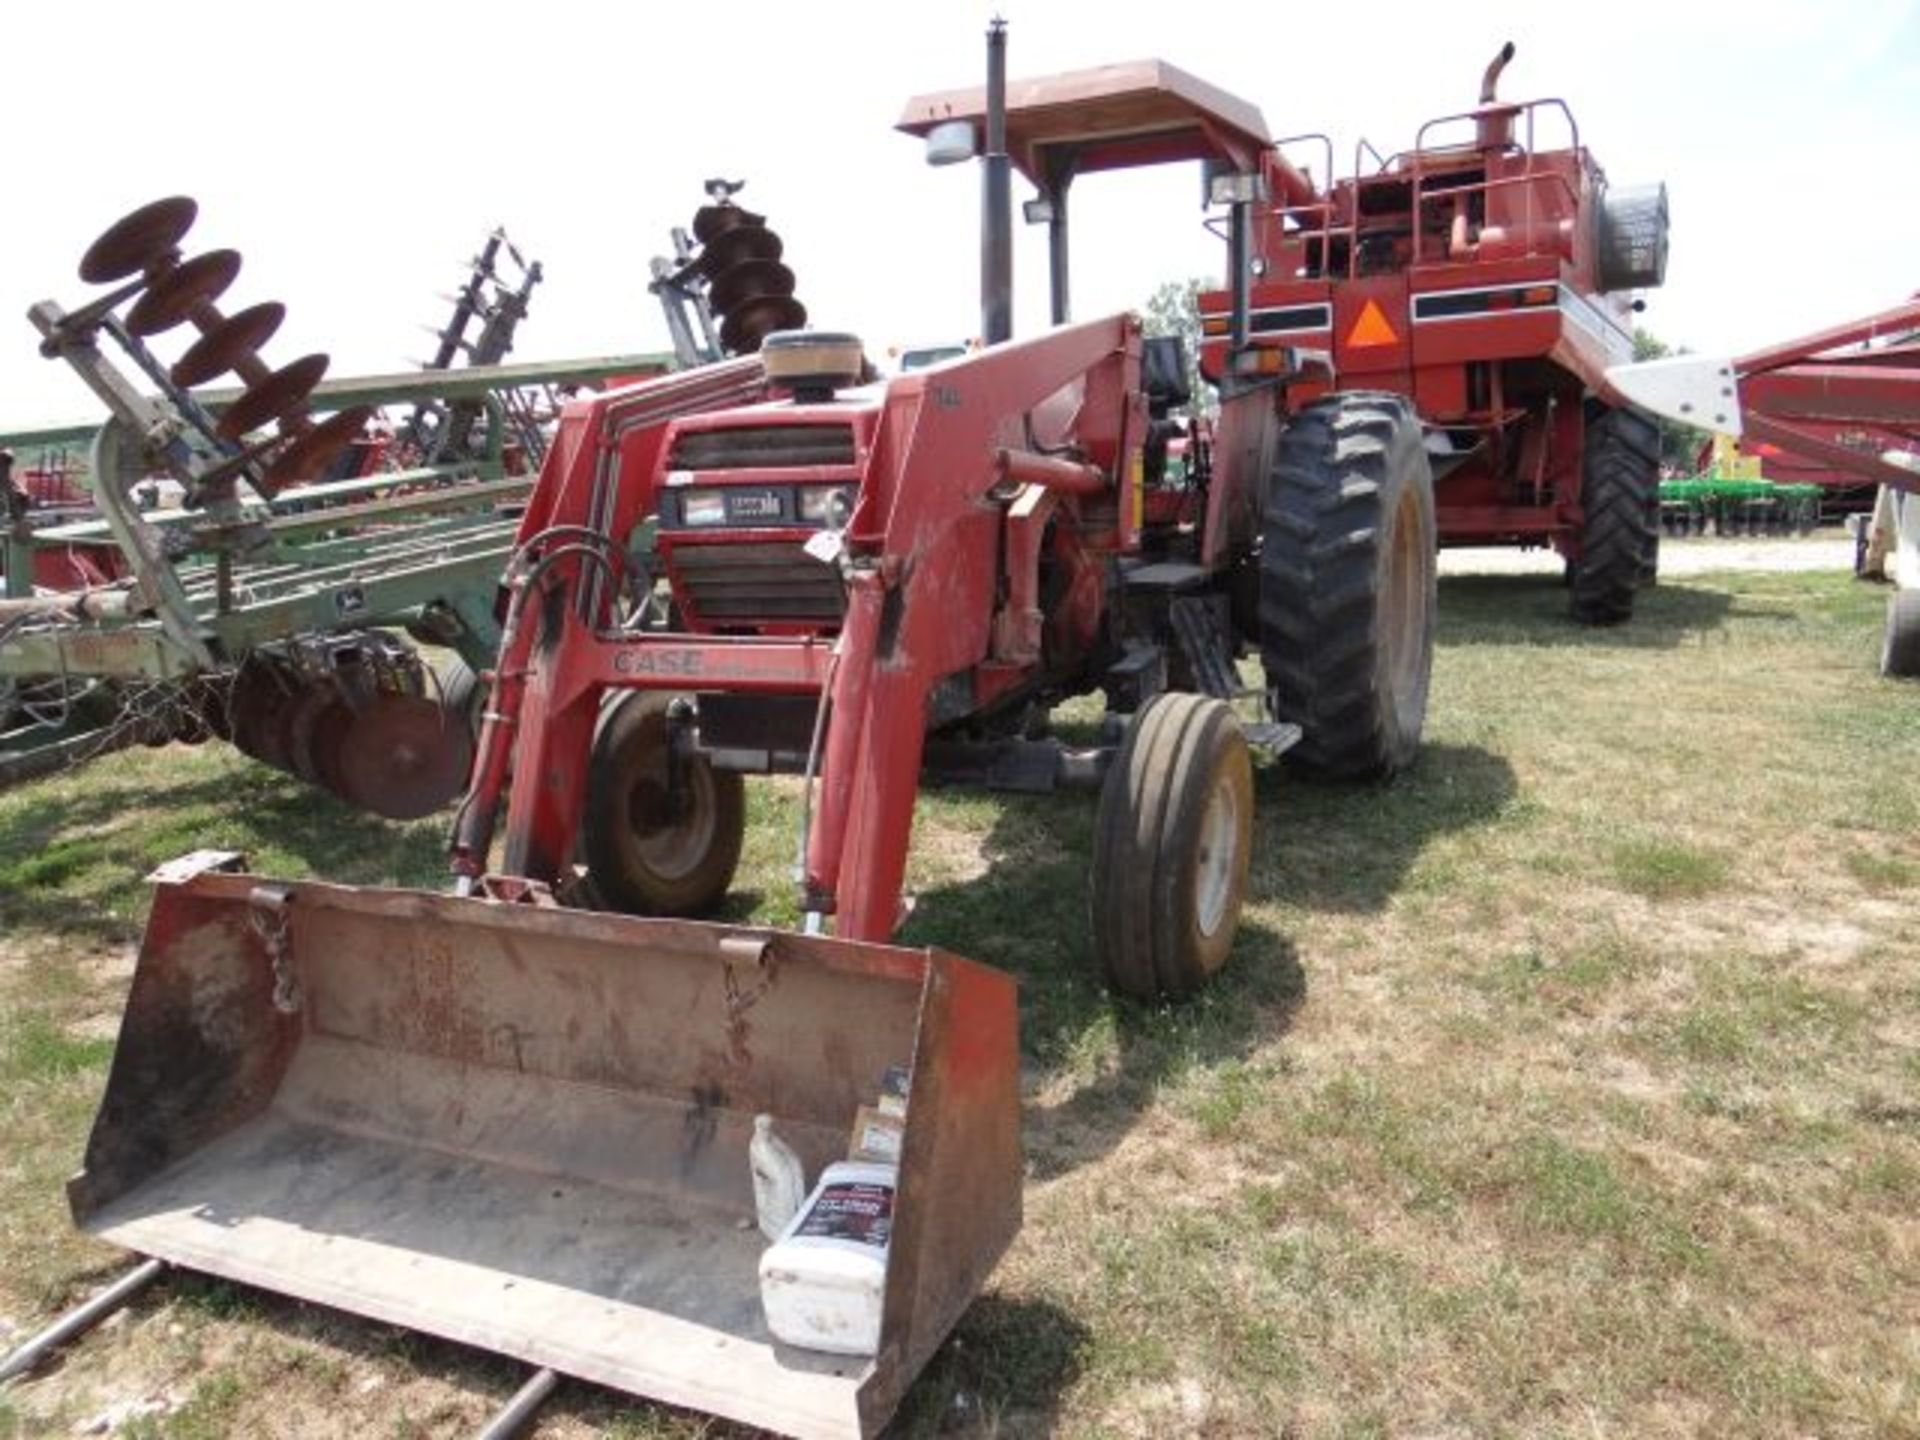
x=1139 y=113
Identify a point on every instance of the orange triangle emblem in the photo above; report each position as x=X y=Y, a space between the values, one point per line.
x=1371 y=329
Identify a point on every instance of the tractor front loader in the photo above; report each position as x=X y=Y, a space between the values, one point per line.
x=498 y=1117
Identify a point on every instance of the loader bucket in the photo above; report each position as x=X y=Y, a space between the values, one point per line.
x=525 y=1128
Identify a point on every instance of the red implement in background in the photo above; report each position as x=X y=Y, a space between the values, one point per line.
x=1834 y=396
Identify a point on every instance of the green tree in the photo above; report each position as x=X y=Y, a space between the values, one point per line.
x=1680 y=445
x=1174 y=309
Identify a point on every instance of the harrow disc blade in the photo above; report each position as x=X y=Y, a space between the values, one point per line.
x=710 y=222
x=229 y=342
x=313 y=726
x=746 y=280
x=405 y=756
x=135 y=241
x=175 y=295
x=746 y=327
x=257 y=707
x=310 y=454
x=278 y=394
x=326 y=746
x=736 y=246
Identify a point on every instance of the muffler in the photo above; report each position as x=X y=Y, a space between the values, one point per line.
x=525 y=1128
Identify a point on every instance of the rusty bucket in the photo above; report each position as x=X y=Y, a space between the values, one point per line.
x=526 y=1128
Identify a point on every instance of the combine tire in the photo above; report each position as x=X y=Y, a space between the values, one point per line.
x=1170 y=847
x=1617 y=545
x=647 y=853
x=1347 y=584
x=1648 y=572
x=1900 y=650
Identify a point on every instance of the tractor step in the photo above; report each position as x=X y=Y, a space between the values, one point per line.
x=1167 y=575
x=1274 y=737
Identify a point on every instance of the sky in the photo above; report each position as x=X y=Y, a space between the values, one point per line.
x=358 y=153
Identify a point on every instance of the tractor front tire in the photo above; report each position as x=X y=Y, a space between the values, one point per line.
x=1900 y=647
x=1348 y=584
x=1171 y=846
x=649 y=852
x=1619 y=494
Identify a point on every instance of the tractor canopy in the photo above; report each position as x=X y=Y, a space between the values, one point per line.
x=1116 y=117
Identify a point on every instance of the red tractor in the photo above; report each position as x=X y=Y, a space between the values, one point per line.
x=526 y=1126
x=866 y=585
x=870 y=584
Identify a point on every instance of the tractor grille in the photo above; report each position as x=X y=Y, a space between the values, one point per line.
x=727 y=582
x=765 y=447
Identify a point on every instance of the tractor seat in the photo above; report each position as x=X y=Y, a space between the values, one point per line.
x=1163 y=374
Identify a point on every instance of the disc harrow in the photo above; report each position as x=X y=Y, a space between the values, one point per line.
x=357 y=713
x=140 y=255
x=266 y=602
x=726 y=289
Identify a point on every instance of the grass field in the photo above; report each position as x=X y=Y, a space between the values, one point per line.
x=1570 y=1086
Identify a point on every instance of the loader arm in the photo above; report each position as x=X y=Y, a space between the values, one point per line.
x=957 y=458
x=924 y=581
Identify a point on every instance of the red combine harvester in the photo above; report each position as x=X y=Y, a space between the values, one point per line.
x=1490 y=280
x=1487 y=279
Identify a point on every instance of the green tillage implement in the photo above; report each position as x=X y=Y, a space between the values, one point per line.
x=1703 y=504
x=153 y=659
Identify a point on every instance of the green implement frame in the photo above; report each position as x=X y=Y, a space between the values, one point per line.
x=1732 y=505
x=420 y=550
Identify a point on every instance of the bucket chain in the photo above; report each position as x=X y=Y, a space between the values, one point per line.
x=268 y=915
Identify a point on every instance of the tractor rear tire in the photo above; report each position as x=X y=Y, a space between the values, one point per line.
x=1171 y=846
x=1348 y=565
x=1621 y=473
x=1900 y=648
x=641 y=857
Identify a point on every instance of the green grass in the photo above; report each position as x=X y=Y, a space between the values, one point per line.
x=1569 y=1085
x=1883 y=872
x=33 y=1048
x=1665 y=870
x=207 y=1415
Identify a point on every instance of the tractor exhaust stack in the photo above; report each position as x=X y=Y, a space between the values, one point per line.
x=996 y=210
x=1490 y=81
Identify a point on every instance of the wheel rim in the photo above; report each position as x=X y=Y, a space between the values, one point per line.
x=1213 y=875
x=1406 y=603
x=657 y=840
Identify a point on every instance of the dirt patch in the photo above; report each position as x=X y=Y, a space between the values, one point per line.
x=1821 y=552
